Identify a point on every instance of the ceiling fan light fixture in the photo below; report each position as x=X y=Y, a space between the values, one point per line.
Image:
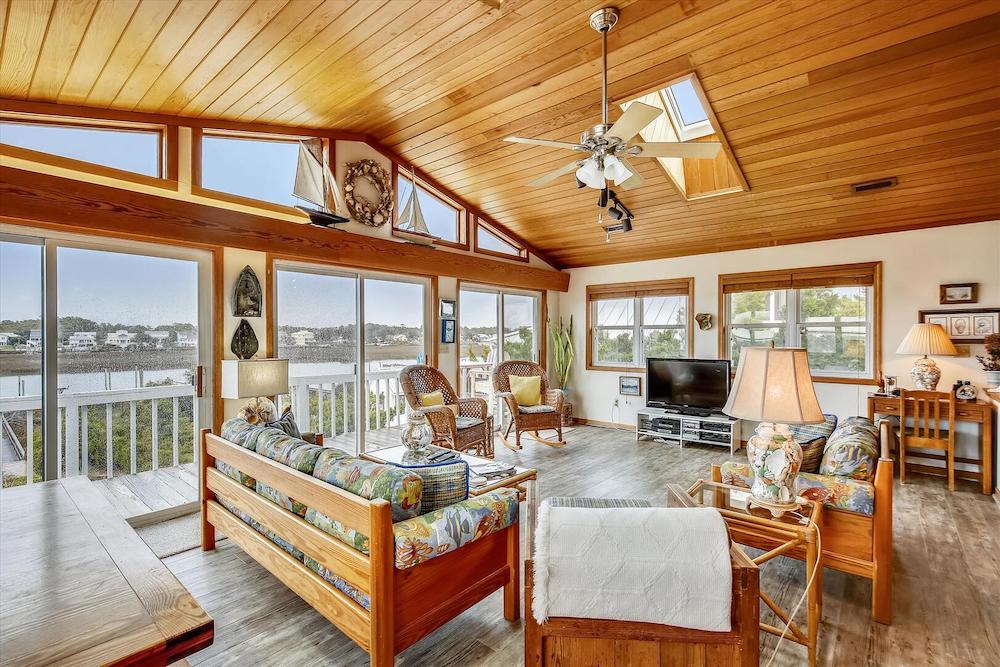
x=615 y=170
x=591 y=174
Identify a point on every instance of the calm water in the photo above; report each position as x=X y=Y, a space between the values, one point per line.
x=74 y=383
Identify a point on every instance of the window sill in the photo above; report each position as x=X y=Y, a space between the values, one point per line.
x=617 y=369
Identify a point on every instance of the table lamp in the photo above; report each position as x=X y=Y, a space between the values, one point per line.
x=926 y=339
x=256 y=379
x=774 y=387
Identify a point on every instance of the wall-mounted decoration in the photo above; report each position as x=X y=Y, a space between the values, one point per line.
x=373 y=214
x=969 y=325
x=447 y=308
x=629 y=385
x=247 y=295
x=447 y=331
x=704 y=321
x=244 y=344
x=960 y=293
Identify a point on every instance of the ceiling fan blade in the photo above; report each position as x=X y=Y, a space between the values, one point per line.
x=553 y=175
x=546 y=142
x=692 y=149
x=636 y=117
x=633 y=181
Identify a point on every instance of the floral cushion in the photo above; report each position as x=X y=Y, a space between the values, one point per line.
x=372 y=480
x=535 y=409
x=466 y=422
x=842 y=493
x=339 y=583
x=431 y=535
x=852 y=450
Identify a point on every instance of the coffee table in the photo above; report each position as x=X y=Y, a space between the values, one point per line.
x=525 y=480
x=789 y=534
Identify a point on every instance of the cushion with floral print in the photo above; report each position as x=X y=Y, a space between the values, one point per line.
x=372 y=480
x=843 y=493
x=434 y=534
x=852 y=450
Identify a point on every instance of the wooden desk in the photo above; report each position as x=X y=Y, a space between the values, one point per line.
x=79 y=587
x=980 y=412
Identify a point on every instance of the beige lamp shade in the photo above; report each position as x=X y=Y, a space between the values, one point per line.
x=251 y=378
x=927 y=339
x=774 y=385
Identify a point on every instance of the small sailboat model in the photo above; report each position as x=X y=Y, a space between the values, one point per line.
x=315 y=184
x=411 y=225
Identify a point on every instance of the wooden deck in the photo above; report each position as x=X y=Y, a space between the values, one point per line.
x=151 y=491
x=154 y=490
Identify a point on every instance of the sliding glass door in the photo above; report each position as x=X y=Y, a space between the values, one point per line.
x=346 y=336
x=107 y=353
x=496 y=325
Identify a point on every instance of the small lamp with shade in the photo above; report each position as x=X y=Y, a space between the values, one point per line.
x=255 y=379
x=926 y=339
x=774 y=387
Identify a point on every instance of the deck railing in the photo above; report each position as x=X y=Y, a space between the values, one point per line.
x=325 y=403
x=78 y=448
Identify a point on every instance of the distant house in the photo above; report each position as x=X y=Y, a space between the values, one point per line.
x=121 y=338
x=9 y=338
x=34 y=342
x=159 y=338
x=82 y=341
x=185 y=339
x=303 y=337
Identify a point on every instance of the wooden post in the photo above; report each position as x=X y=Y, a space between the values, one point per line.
x=882 y=533
x=532 y=636
x=205 y=462
x=381 y=643
x=512 y=589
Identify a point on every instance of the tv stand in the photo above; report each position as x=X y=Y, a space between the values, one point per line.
x=684 y=428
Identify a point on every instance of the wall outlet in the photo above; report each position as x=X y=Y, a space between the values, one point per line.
x=615 y=404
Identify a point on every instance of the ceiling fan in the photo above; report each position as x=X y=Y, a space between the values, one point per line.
x=608 y=144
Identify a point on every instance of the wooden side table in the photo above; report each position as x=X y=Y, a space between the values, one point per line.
x=785 y=535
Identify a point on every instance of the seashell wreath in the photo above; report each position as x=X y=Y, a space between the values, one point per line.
x=367 y=212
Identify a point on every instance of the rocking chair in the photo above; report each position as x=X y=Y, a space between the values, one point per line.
x=461 y=423
x=529 y=418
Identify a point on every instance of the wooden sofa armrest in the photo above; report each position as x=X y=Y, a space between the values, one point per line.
x=887 y=438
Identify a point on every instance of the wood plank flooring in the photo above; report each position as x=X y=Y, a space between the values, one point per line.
x=152 y=490
x=947 y=577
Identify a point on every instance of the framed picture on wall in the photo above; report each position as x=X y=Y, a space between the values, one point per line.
x=970 y=325
x=959 y=293
x=629 y=385
x=447 y=308
x=447 y=331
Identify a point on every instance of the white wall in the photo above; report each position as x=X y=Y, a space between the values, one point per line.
x=915 y=263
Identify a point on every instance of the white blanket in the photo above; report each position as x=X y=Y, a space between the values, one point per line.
x=659 y=565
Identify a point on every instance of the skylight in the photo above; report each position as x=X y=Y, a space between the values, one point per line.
x=686 y=111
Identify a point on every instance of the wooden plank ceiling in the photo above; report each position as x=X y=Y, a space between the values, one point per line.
x=812 y=96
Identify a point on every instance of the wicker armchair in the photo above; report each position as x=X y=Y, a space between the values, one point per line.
x=467 y=427
x=533 y=418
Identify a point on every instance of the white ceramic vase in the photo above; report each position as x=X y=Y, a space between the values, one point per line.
x=775 y=459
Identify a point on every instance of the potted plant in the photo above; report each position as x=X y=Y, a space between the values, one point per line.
x=561 y=338
x=991 y=361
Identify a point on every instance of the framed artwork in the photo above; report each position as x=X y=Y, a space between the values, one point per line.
x=960 y=293
x=970 y=325
x=629 y=385
x=447 y=308
x=448 y=331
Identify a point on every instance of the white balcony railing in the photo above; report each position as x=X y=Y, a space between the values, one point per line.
x=77 y=448
x=324 y=403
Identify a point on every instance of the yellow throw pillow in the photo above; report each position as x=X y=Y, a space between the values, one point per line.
x=526 y=390
x=431 y=399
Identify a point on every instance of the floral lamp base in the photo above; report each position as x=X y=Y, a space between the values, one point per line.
x=775 y=459
x=925 y=374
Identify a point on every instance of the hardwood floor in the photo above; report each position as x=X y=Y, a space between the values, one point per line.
x=947 y=576
x=152 y=490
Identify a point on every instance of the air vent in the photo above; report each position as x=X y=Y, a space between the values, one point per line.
x=874 y=185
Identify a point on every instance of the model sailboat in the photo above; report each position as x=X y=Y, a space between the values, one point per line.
x=411 y=225
x=315 y=184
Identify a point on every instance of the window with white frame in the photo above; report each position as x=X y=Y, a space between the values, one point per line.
x=627 y=326
x=836 y=323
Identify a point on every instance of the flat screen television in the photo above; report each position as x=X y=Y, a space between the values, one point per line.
x=696 y=386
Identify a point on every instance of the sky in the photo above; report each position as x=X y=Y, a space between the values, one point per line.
x=132 y=151
x=102 y=286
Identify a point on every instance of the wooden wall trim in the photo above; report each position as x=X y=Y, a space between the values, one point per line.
x=28 y=197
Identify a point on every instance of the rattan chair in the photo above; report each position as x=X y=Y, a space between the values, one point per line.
x=530 y=419
x=469 y=426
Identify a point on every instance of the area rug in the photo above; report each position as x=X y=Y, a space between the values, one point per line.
x=173 y=536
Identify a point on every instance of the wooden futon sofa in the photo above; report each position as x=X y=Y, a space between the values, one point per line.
x=348 y=535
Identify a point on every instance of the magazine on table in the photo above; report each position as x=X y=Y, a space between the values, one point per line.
x=481 y=474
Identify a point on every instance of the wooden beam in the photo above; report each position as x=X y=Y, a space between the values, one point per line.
x=38 y=199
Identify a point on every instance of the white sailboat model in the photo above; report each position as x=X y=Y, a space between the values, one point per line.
x=411 y=225
x=315 y=184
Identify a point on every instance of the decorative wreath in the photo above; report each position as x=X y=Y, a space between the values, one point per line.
x=370 y=213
